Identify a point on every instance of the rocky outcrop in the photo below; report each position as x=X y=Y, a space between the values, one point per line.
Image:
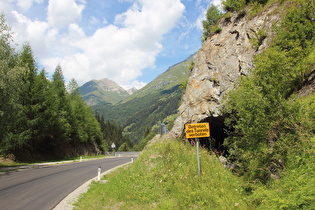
x=221 y=61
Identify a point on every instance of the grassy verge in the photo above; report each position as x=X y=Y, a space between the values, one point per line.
x=4 y=162
x=165 y=177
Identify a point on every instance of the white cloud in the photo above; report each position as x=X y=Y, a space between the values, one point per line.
x=137 y=84
x=37 y=33
x=62 y=13
x=119 y=52
x=26 y=4
x=199 y=20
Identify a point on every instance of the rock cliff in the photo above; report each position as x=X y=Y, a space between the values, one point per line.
x=219 y=63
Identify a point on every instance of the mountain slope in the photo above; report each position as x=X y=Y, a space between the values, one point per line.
x=150 y=104
x=102 y=91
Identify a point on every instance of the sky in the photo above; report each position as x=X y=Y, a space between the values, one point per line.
x=128 y=41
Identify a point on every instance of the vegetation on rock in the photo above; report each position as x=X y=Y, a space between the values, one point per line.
x=210 y=24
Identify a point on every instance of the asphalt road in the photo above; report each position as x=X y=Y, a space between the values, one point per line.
x=44 y=187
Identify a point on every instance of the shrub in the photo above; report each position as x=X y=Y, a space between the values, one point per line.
x=265 y=119
x=233 y=5
x=209 y=25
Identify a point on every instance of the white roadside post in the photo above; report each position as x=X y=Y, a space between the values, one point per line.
x=198 y=155
x=80 y=158
x=99 y=173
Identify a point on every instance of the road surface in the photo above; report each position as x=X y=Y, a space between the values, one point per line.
x=44 y=187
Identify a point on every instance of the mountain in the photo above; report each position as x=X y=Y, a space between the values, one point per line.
x=103 y=91
x=132 y=90
x=151 y=104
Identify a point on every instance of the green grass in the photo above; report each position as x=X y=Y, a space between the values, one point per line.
x=8 y=163
x=4 y=162
x=165 y=177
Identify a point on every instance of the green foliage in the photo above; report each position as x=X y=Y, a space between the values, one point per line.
x=183 y=86
x=38 y=117
x=294 y=191
x=191 y=66
x=210 y=24
x=260 y=36
x=123 y=147
x=237 y=5
x=5 y=35
x=165 y=177
x=233 y=5
x=266 y=119
x=151 y=133
x=149 y=105
x=112 y=132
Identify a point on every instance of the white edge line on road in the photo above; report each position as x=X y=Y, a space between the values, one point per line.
x=69 y=200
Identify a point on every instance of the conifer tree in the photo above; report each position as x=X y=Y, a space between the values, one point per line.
x=61 y=108
x=43 y=114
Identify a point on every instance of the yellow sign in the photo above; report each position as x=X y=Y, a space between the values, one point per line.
x=197 y=130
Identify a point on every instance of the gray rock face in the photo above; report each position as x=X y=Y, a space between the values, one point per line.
x=220 y=62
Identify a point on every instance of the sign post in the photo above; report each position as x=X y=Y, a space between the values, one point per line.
x=197 y=130
x=198 y=157
x=113 y=147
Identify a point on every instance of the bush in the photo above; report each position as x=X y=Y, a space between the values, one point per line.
x=233 y=5
x=209 y=25
x=237 y=5
x=266 y=120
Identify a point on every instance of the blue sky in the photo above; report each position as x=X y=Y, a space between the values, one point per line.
x=128 y=41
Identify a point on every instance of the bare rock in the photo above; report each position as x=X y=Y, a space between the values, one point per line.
x=220 y=62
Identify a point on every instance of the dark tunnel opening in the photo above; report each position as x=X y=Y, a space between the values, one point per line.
x=215 y=142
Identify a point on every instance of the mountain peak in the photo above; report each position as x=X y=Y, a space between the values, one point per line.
x=109 y=85
x=102 y=91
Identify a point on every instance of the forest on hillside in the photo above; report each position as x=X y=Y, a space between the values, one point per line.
x=43 y=118
x=142 y=112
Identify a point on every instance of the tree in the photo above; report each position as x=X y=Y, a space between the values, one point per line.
x=237 y=5
x=233 y=5
x=13 y=82
x=40 y=118
x=123 y=147
x=43 y=114
x=209 y=25
x=7 y=93
x=61 y=108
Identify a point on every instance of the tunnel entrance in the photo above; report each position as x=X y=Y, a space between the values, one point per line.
x=217 y=135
